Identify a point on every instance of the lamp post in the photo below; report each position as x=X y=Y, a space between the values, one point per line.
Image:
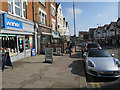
x=74 y=24
x=74 y=18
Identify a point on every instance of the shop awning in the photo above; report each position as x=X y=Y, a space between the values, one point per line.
x=55 y=34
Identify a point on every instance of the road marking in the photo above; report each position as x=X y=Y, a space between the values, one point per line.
x=94 y=85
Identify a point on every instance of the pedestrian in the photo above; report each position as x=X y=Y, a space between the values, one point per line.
x=70 y=47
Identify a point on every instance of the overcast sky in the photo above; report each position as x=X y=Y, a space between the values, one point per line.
x=89 y=14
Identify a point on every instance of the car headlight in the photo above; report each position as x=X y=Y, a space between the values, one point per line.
x=117 y=62
x=90 y=64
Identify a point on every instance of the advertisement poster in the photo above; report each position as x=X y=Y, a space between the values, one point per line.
x=30 y=39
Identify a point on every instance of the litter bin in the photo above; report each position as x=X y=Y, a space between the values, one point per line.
x=33 y=52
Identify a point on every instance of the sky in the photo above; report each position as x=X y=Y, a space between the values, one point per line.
x=89 y=14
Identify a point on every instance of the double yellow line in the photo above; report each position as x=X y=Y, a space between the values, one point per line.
x=94 y=85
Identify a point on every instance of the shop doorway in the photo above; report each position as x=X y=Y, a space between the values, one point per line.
x=21 y=46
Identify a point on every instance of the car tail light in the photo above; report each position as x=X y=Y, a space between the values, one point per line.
x=99 y=46
x=86 y=47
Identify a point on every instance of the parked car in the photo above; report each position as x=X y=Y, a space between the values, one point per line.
x=101 y=63
x=89 y=46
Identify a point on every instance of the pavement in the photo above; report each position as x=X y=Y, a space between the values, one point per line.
x=31 y=72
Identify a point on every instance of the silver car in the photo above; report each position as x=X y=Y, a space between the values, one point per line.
x=101 y=63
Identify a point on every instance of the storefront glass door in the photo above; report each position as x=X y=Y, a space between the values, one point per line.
x=21 y=46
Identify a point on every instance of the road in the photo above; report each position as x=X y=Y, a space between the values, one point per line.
x=97 y=82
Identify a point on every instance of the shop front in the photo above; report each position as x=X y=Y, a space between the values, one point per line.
x=43 y=38
x=16 y=36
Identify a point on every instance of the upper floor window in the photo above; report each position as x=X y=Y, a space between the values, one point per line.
x=53 y=24
x=9 y=6
x=53 y=10
x=42 y=2
x=17 y=7
x=24 y=9
x=42 y=15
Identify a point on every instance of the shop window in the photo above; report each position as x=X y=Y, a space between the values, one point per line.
x=45 y=39
x=27 y=43
x=9 y=43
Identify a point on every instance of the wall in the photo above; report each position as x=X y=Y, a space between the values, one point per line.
x=29 y=11
x=5 y=6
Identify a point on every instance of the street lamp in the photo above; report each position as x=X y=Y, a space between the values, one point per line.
x=74 y=24
x=74 y=18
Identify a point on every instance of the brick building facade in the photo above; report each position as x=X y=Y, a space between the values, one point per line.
x=45 y=22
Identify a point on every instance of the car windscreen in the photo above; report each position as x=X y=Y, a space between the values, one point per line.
x=98 y=54
x=93 y=45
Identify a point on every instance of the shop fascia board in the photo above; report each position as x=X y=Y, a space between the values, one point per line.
x=7 y=31
x=40 y=25
x=17 y=30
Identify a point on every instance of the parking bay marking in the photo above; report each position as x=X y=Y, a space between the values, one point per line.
x=94 y=85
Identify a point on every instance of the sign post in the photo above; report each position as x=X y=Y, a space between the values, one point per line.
x=49 y=55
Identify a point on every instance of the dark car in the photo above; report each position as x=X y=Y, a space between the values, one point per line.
x=89 y=46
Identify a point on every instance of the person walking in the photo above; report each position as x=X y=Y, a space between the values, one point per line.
x=70 y=47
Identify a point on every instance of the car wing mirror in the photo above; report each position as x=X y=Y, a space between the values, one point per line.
x=112 y=55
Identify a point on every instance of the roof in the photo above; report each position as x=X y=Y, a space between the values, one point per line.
x=118 y=19
x=113 y=23
x=100 y=27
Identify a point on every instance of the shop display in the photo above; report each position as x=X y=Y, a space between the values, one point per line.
x=9 y=44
